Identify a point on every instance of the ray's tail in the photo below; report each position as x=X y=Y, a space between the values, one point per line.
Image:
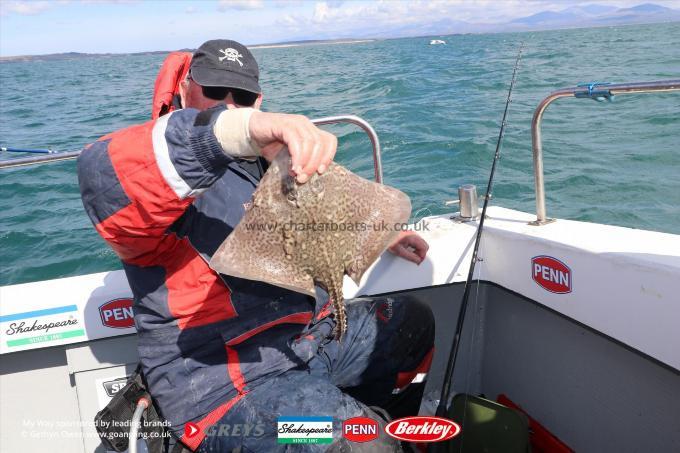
x=335 y=293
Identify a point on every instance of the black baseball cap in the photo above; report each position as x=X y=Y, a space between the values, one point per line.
x=225 y=63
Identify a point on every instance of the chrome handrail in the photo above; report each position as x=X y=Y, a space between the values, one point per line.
x=351 y=119
x=372 y=135
x=596 y=91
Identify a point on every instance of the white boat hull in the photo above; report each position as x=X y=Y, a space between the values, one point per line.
x=593 y=344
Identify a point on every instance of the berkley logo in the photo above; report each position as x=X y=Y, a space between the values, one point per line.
x=551 y=274
x=423 y=429
x=117 y=314
x=360 y=429
x=113 y=387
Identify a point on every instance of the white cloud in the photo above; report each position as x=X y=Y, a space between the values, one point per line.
x=332 y=18
x=120 y=2
x=190 y=10
x=24 y=8
x=225 y=5
x=354 y=15
x=33 y=7
x=321 y=12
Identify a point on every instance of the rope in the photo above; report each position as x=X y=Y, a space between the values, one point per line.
x=594 y=92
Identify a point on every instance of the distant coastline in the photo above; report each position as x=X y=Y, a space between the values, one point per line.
x=77 y=55
x=73 y=55
x=310 y=43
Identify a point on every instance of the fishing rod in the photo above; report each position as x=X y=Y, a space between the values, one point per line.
x=21 y=150
x=453 y=355
x=54 y=156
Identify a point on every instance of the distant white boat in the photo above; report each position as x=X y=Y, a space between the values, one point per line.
x=437 y=41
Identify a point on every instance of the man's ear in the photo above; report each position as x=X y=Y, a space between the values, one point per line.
x=258 y=102
x=183 y=90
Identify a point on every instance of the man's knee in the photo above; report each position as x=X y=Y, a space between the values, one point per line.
x=416 y=320
x=420 y=314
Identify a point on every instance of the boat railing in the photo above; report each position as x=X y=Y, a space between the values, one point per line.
x=598 y=91
x=372 y=135
x=350 y=119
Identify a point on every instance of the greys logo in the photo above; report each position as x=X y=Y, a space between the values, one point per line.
x=236 y=429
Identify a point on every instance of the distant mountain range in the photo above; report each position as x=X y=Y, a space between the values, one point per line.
x=593 y=15
x=73 y=55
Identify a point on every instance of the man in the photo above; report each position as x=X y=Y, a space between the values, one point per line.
x=217 y=350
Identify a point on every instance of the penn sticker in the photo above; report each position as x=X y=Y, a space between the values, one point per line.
x=551 y=274
x=117 y=313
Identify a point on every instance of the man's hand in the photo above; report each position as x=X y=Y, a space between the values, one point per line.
x=409 y=245
x=311 y=149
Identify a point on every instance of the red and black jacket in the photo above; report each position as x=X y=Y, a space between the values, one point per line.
x=164 y=196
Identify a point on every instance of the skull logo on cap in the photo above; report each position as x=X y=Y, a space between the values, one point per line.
x=231 y=55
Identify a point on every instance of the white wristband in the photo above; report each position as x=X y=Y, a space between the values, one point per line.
x=233 y=132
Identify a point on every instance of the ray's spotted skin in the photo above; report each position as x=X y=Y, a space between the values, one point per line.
x=300 y=235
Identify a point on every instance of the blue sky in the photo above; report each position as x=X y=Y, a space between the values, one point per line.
x=40 y=27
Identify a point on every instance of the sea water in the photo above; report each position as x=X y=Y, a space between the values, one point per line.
x=437 y=110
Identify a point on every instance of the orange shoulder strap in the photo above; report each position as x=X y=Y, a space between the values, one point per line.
x=173 y=71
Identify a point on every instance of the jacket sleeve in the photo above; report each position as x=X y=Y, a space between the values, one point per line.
x=137 y=182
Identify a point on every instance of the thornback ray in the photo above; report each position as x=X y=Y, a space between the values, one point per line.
x=298 y=236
